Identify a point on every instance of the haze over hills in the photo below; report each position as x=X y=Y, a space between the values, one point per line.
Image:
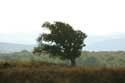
x=115 y=42
x=12 y=47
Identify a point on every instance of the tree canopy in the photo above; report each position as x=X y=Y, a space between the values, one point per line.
x=62 y=41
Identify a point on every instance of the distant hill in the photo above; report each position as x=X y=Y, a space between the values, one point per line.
x=115 y=42
x=109 y=43
x=11 y=47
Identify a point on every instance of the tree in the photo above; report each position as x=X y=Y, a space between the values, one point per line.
x=62 y=41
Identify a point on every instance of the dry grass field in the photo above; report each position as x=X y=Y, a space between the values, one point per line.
x=43 y=72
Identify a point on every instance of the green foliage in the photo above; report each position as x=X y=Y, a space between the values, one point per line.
x=62 y=41
x=107 y=59
x=87 y=59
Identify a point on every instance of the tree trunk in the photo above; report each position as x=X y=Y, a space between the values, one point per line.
x=73 y=62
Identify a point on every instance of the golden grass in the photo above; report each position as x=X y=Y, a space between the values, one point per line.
x=43 y=72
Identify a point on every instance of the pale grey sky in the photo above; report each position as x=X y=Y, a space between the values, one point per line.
x=94 y=17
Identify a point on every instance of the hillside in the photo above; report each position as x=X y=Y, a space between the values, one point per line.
x=109 y=43
x=11 y=47
x=113 y=42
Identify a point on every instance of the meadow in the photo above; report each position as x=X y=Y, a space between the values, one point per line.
x=105 y=59
x=92 y=67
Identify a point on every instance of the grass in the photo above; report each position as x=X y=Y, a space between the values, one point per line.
x=92 y=67
x=96 y=59
x=43 y=72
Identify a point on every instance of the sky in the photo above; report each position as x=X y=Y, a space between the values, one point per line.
x=21 y=20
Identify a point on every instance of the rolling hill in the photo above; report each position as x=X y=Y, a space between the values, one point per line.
x=110 y=43
x=115 y=42
x=11 y=47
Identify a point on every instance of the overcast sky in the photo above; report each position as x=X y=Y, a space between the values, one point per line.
x=94 y=17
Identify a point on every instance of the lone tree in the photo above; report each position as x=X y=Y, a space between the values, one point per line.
x=62 y=41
